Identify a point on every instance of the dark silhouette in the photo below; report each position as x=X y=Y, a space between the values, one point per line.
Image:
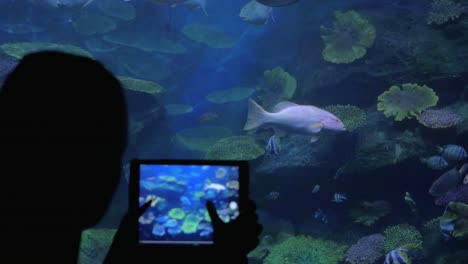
x=62 y=136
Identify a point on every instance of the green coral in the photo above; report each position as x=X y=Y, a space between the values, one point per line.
x=400 y=235
x=230 y=95
x=406 y=102
x=370 y=212
x=19 y=49
x=305 y=249
x=191 y=223
x=138 y=85
x=277 y=85
x=176 y=213
x=235 y=148
x=94 y=245
x=209 y=35
x=458 y=212
x=351 y=116
x=349 y=39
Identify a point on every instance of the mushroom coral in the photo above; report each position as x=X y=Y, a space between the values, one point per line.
x=406 y=102
x=349 y=38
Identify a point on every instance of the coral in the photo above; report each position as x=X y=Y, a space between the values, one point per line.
x=460 y=215
x=305 y=249
x=443 y=11
x=370 y=212
x=138 y=85
x=277 y=85
x=178 y=109
x=235 y=148
x=19 y=49
x=351 y=116
x=201 y=138
x=208 y=35
x=458 y=194
x=400 y=235
x=117 y=9
x=190 y=224
x=176 y=213
x=94 y=245
x=441 y=118
x=230 y=95
x=367 y=250
x=406 y=102
x=349 y=39
x=90 y=24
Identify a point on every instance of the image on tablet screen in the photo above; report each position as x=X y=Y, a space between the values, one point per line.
x=179 y=193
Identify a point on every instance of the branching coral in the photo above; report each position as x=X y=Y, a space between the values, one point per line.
x=235 y=148
x=370 y=212
x=351 y=116
x=406 y=102
x=400 y=235
x=304 y=249
x=277 y=85
x=443 y=11
x=349 y=39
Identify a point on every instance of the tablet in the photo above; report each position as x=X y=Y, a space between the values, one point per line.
x=179 y=190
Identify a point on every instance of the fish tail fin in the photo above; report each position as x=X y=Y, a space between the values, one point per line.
x=440 y=149
x=256 y=116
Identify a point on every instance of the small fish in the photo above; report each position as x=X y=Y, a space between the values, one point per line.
x=398 y=151
x=435 y=162
x=339 y=197
x=272 y=146
x=400 y=255
x=316 y=188
x=320 y=215
x=293 y=118
x=339 y=172
x=215 y=186
x=272 y=196
x=453 y=152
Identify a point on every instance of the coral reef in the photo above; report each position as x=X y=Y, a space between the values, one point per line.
x=208 y=35
x=367 y=250
x=349 y=39
x=190 y=224
x=277 y=85
x=235 y=148
x=406 y=102
x=377 y=149
x=351 y=116
x=370 y=212
x=201 y=138
x=19 y=49
x=458 y=194
x=305 y=249
x=441 y=118
x=176 y=213
x=142 y=86
x=94 y=245
x=443 y=11
x=400 y=235
x=230 y=95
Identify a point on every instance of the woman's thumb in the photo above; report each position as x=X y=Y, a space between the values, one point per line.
x=215 y=220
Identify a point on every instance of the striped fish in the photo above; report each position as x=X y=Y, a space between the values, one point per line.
x=339 y=197
x=272 y=146
x=400 y=255
x=435 y=162
x=453 y=152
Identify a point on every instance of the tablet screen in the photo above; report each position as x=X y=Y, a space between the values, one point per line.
x=179 y=193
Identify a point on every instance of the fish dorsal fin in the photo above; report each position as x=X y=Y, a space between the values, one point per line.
x=283 y=105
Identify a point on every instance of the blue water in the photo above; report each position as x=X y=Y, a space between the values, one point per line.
x=406 y=49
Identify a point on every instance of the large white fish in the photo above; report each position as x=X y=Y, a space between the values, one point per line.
x=293 y=118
